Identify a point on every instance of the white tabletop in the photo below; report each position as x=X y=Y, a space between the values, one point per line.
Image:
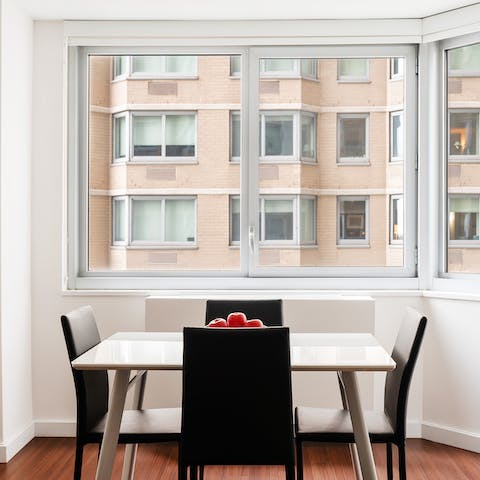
x=309 y=351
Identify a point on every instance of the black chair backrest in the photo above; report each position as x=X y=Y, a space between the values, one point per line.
x=81 y=334
x=268 y=311
x=405 y=353
x=237 y=397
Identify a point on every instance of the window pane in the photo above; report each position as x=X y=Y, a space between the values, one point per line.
x=308 y=67
x=120 y=66
x=235 y=65
x=235 y=219
x=236 y=139
x=148 y=64
x=146 y=220
x=464 y=133
x=396 y=67
x=307 y=220
x=180 y=220
x=464 y=60
x=396 y=136
x=120 y=226
x=180 y=135
x=463 y=218
x=354 y=68
x=279 y=135
x=277 y=65
x=278 y=219
x=147 y=136
x=182 y=64
x=353 y=133
x=352 y=219
x=397 y=219
x=308 y=136
x=120 y=134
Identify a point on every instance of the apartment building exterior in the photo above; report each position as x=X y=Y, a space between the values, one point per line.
x=165 y=154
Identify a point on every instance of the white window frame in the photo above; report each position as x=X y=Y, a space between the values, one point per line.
x=295 y=73
x=116 y=199
x=399 y=75
x=354 y=242
x=296 y=137
x=250 y=274
x=121 y=160
x=234 y=73
x=125 y=75
x=162 y=242
x=161 y=158
x=397 y=113
x=396 y=196
x=463 y=158
x=353 y=160
x=353 y=78
x=237 y=114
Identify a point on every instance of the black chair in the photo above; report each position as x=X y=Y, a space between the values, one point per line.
x=237 y=399
x=268 y=311
x=138 y=426
x=334 y=426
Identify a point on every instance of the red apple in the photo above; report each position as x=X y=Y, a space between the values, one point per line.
x=217 y=322
x=254 y=322
x=236 y=319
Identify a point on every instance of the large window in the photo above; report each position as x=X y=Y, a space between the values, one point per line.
x=464 y=134
x=188 y=168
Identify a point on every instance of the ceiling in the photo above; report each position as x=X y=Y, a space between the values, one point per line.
x=233 y=9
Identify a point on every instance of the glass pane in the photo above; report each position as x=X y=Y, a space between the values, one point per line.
x=120 y=66
x=397 y=136
x=464 y=60
x=180 y=220
x=183 y=64
x=397 y=219
x=147 y=136
x=235 y=219
x=235 y=65
x=146 y=220
x=277 y=65
x=120 y=137
x=120 y=226
x=180 y=135
x=236 y=139
x=278 y=219
x=396 y=67
x=464 y=133
x=308 y=67
x=352 y=137
x=463 y=218
x=354 y=68
x=148 y=64
x=279 y=135
x=352 y=219
x=307 y=220
x=308 y=136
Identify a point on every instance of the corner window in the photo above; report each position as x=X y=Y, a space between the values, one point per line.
x=120 y=138
x=353 y=70
x=120 y=66
x=396 y=68
x=464 y=135
x=396 y=219
x=235 y=65
x=352 y=220
x=396 y=136
x=120 y=220
x=352 y=138
x=287 y=136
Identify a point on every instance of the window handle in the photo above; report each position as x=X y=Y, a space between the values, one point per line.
x=251 y=238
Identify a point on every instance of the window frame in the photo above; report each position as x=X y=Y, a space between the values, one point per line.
x=452 y=243
x=352 y=78
x=295 y=73
x=167 y=75
x=396 y=113
x=392 y=197
x=463 y=158
x=399 y=75
x=232 y=158
x=354 y=160
x=354 y=242
x=116 y=199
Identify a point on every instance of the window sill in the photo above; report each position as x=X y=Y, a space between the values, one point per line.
x=464 y=159
x=346 y=80
x=353 y=245
x=353 y=163
x=159 y=247
x=170 y=161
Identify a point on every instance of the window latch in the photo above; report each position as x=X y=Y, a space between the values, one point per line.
x=251 y=238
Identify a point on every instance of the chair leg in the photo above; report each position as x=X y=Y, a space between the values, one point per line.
x=298 y=448
x=290 y=472
x=200 y=469
x=389 y=462
x=77 y=473
x=402 y=462
x=193 y=472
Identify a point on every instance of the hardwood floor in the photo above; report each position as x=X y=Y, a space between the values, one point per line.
x=52 y=459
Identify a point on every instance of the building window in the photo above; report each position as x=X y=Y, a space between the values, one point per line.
x=464 y=135
x=353 y=70
x=396 y=136
x=120 y=66
x=164 y=66
x=234 y=220
x=235 y=65
x=396 y=68
x=287 y=136
x=464 y=61
x=155 y=136
x=396 y=219
x=352 y=144
x=288 y=67
x=154 y=220
x=235 y=137
x=352 y=220
x=463 y=218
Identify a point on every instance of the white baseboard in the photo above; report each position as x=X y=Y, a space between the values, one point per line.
x=55 y=428
x=9 y=449
x=414 y=429
x=451 y=436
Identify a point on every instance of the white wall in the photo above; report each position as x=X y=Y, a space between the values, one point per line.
x=15 y=171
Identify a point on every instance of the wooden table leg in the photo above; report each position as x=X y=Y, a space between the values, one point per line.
x=112 y=427
x=362 y=440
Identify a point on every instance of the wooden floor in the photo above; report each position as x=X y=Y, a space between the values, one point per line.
x=52 y=459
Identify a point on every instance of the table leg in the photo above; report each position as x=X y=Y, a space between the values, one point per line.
x=360 y=431
x=112 y=427
x=131 y=449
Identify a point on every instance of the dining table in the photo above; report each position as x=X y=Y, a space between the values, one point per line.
x=131 y=354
